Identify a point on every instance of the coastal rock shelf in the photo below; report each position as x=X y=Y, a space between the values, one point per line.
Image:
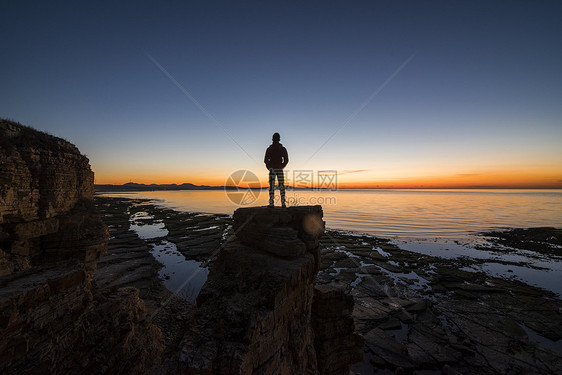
x=409 y=307
x=421 y=312
x=128 y=261
x=142 y=250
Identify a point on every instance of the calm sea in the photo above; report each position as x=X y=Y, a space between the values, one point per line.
x=401 y=214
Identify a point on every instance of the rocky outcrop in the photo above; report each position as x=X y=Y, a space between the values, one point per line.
x=46 y=217
x=52 y=318
x=259 y=312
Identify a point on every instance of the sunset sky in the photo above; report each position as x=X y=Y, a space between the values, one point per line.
x=400 y=94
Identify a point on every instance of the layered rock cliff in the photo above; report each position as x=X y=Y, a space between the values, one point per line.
x=45 y=185
x=52 y=318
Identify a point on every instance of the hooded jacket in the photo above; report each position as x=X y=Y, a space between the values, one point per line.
x=276 y=156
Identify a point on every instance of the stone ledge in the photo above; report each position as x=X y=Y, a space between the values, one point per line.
x=286 y=232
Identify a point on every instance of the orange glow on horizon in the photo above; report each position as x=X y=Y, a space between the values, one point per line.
x=489 y=180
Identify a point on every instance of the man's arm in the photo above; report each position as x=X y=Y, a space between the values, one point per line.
x=266 y=158
x=285 y=157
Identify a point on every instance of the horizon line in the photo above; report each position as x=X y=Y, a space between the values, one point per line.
x=265 y=186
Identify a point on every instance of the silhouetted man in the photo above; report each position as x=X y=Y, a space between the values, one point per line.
x=275 y=160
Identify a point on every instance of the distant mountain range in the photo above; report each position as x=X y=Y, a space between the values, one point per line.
x=133 y=186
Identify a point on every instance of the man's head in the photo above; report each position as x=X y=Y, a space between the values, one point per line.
x=276 y=137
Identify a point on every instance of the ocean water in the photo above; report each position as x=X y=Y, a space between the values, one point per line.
x=423 y=215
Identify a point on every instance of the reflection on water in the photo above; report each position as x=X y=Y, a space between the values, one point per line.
x=532 y=268
x=181 y=276
x=555 y=346
x=550 y=278
x=404 y=214
x=144 y=230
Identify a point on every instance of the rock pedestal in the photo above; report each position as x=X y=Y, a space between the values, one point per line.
x=259 y=312
x=286 y=232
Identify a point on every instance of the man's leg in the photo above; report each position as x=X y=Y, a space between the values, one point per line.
x=271 y=186
x=281 y=179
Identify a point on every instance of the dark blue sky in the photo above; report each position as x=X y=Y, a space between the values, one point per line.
x=482 y=93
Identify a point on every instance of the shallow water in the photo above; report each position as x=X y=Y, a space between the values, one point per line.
x=442 y=223
x=144 y=230
x=550 y=278
x=555 y=346
x=181 y=276
x=402 y=214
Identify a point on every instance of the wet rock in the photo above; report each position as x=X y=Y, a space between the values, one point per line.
x=371 y=270
x=391 y=323
x=434 y=343
x=544 y=240
x=417 y=306
x=347 y=263
x=498 y=338
x=369 y=309
x=387 y=348
x=404 y=316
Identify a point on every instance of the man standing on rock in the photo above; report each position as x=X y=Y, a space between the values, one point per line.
x=276 y=158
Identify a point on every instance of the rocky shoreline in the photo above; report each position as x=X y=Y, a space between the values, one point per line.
x=112 y=285
x=417 y=313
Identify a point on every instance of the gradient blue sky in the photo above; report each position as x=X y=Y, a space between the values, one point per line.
x=480 y=101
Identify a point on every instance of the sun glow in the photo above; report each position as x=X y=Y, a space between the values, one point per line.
x=541 y=179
